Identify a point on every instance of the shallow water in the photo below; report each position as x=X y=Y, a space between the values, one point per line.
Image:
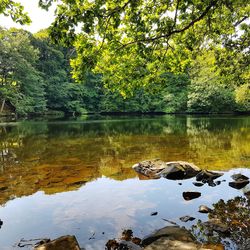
x=75 y=177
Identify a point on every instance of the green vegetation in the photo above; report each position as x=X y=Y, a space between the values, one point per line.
x=129 y=56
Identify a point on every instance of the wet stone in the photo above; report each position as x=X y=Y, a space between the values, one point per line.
x=198 y=184
x=238 y=184
x=187 y=218
x=63 y=243
x=154 y=213
x=247 y=194
x=207 y=176
x=191 y=195
x=176 y=170
x=217 y=226
x=204 y=209
x=239 y=177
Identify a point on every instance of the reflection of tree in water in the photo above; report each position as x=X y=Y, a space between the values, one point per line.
x=235 y=214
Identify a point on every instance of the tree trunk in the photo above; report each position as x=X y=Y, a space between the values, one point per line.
x=2 y=106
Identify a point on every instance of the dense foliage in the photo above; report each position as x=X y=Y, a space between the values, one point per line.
x=35 y=78
x=129 y=56
x=132 y=43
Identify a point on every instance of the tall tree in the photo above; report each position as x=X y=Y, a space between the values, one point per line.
x=21 y=83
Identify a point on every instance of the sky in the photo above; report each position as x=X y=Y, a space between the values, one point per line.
x=40 y=18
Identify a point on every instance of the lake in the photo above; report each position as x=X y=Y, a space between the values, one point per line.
x=74 y=177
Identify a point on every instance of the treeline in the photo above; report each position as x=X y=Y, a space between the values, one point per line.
x=35 y=78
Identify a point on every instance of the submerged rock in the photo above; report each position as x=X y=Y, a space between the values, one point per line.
x=191 y=195
x=206 y=176
x=204 y=209
x=187 y=218
x=67 y=242
x=239 y=177
x=198 y=184
x=126 y=242
x=150 y=168
x=177 y=170
x=154 y=213
x=238 y=184
x=247 y=194
x=217 y=226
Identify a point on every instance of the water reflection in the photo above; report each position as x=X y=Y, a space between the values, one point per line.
x=86 y=165
x=235 y=215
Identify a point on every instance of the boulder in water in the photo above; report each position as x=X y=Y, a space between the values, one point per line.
x=176 y=170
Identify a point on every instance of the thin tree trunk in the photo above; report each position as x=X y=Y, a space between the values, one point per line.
x=2 y=107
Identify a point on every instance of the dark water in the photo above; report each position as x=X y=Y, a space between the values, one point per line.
x=75 y=177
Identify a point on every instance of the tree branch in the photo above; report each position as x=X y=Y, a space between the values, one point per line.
x=172 y=32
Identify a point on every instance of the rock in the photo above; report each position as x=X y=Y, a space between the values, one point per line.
x=217 y=226
x=150 y=168
x=126 y=242
x=187 y=218
x=247 y=194
x=239 y=177
x=217 y=183
x=191 y=195
x=127 y=235
x=127 y=245
x=63 y=243
x=238 y=184
x=204 y=209
x=154 y=213
x=136 y=240
x=207 y=176
x=174 y=238
x=198 y=184
x=177 y=170
x=170 y=232
x=168 y=244
x=3 y=188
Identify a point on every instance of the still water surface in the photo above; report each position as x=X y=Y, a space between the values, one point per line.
x=75 y=177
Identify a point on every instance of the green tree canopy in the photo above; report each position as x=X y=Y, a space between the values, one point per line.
x=15 y=10
x=133 y=42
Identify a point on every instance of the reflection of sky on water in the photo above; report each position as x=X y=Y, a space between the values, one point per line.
x=107 y=206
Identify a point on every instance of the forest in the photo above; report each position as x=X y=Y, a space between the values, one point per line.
x=200 y=67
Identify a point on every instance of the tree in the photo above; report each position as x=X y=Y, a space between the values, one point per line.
x=21 y=83
x=134 y=42
x=15 y=10
x=209 y=91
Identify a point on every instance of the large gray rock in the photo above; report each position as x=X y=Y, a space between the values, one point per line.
x=176 y=170
x=166 y=244
x=170 y=232
x=175 y=238
x=67 y=242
